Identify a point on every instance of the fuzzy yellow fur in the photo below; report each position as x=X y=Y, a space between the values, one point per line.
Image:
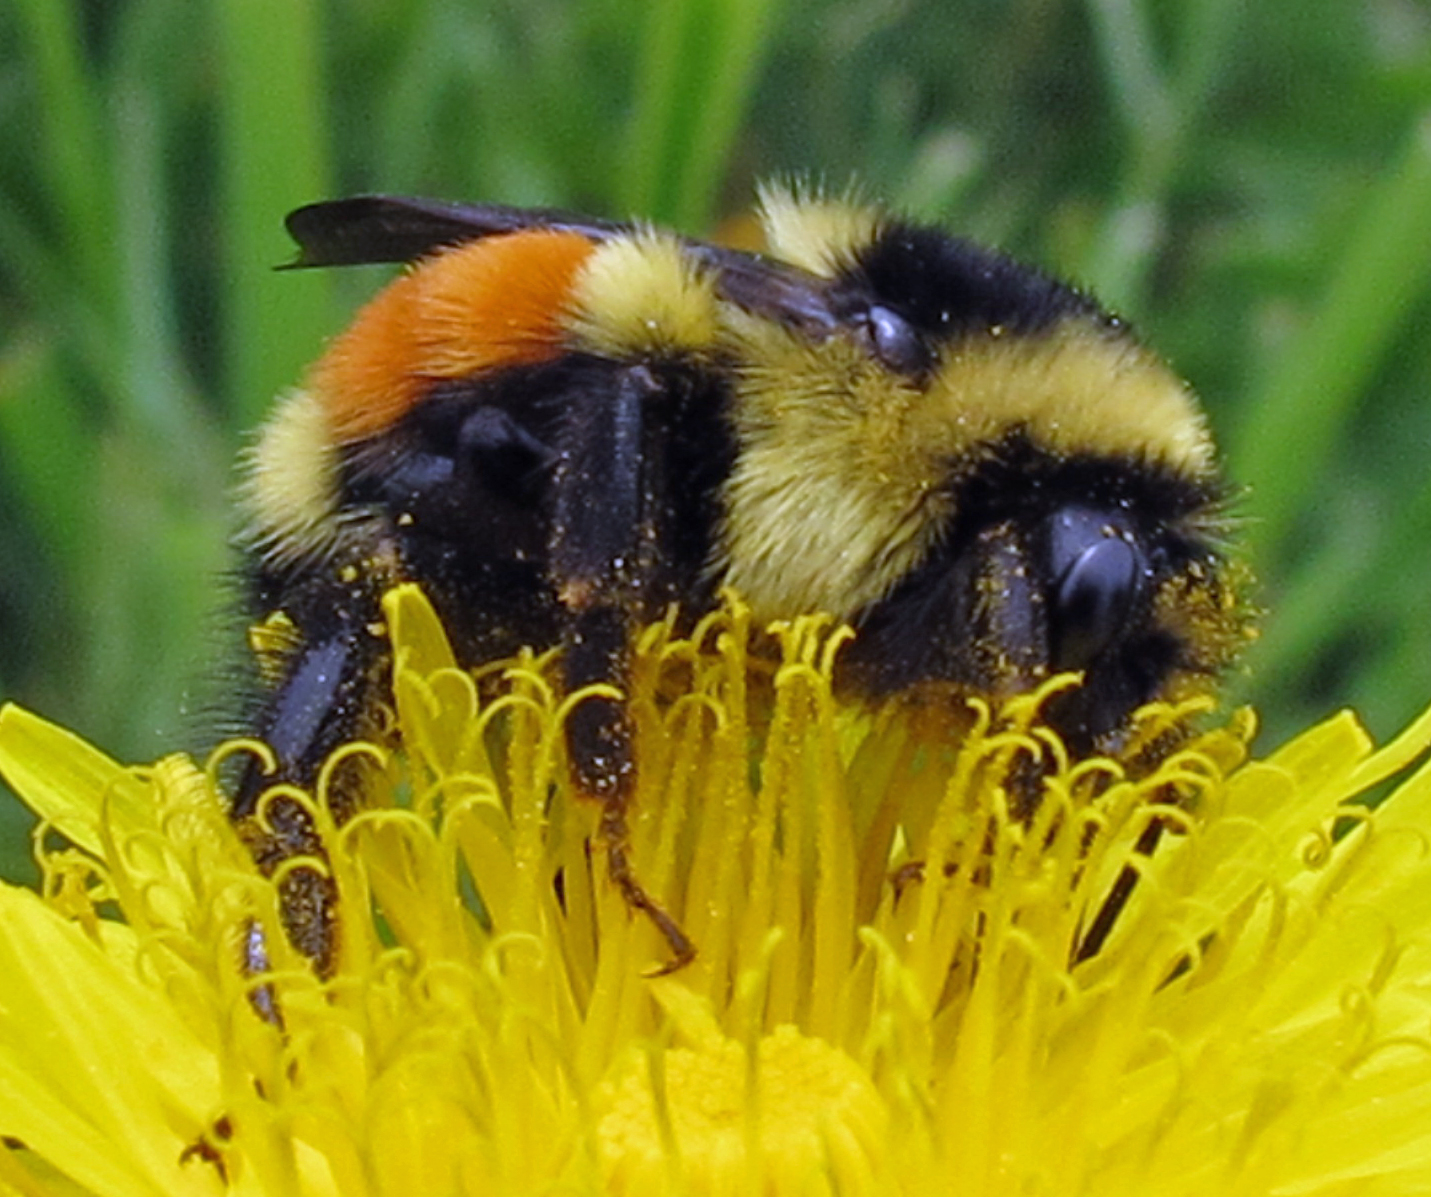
x=843 y=479
x=642 y=295
x=290 y=490
x=815 y=232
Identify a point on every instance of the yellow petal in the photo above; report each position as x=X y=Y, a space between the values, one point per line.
x=96 y=1073
x=67 y=782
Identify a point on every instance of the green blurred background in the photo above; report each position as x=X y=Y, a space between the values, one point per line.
x=1250 y=186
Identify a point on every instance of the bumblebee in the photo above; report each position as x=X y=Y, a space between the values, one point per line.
x=560 y=426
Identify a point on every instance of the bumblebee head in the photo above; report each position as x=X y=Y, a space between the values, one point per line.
x=977 y=466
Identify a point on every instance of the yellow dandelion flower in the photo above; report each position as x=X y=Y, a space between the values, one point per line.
x=897 y=988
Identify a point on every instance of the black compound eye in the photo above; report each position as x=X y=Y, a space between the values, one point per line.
x=894 y=341
x=1098 y=573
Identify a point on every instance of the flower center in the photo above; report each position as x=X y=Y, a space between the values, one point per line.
x=724 y=1123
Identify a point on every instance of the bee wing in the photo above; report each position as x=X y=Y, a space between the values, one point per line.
x=771 y=289
x=384 y=228
x=365 y=229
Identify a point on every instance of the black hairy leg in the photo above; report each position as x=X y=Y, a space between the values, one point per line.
x=322 y=700
x=613 y=533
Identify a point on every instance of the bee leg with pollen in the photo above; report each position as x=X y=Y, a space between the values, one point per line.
x=599 y=744
x=605 y=520
x=312 y=709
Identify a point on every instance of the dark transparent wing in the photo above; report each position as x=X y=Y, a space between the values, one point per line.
x=385 y=228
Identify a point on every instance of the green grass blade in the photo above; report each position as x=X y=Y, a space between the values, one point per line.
x=46 y=445
x=1288 y=435
x=274 y=158
x=694 y=88
x=736 y=50
x=75 y=165
x=651 y=149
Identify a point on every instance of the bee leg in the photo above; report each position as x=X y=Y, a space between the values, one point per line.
x=1123 y=885
x=607 y=515
x=618 y=868
x=311 y=711
x=255 y=963
x=598 y=733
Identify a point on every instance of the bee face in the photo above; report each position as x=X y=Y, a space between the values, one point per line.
x=984 y=473
x=560 y=426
